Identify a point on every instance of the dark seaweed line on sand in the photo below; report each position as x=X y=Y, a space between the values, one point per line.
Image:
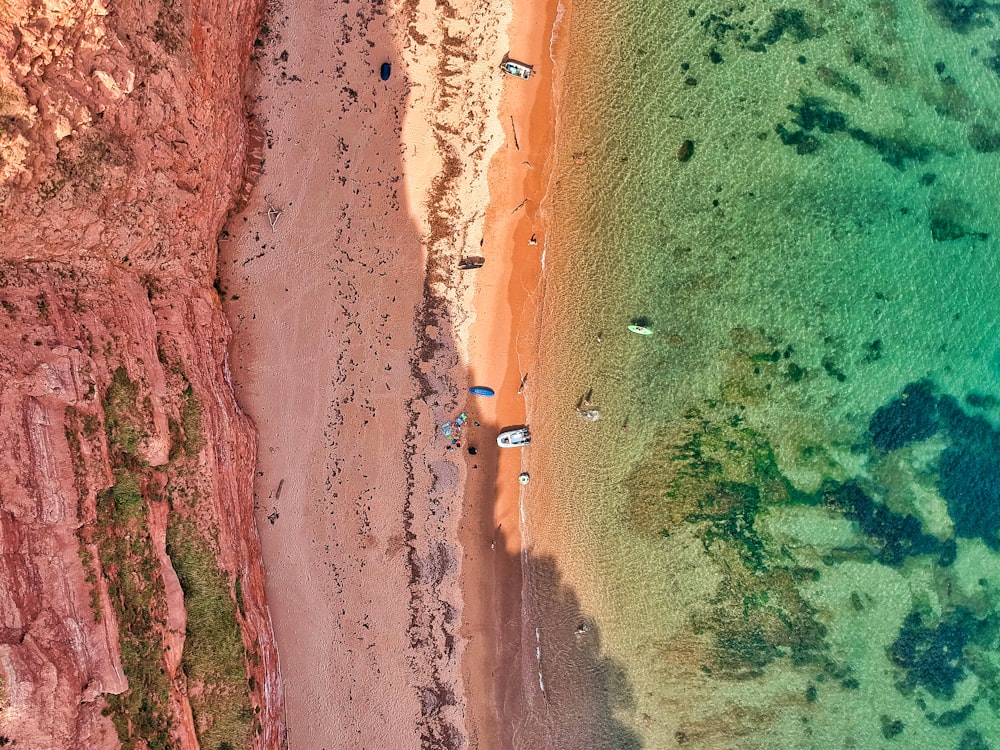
x=436 y=732
x=430 y=616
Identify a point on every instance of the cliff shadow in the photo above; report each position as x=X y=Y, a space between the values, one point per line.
x=571 y=691
x=550 y=684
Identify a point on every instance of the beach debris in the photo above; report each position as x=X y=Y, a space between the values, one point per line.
x=453 y=431
x=273 y=215
x=591 y=415
x=523 y=478
x=519 y=206
x=470 y=262
x=533 y=240
x=385 y=71
x=524 y=380
x=481 y=390
x=514 y=130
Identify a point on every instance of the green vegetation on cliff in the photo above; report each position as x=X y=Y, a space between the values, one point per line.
x=213 y=650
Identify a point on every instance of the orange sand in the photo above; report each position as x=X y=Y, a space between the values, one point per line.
x=501 y=353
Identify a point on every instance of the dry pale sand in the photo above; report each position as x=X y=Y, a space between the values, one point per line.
x=350 y=321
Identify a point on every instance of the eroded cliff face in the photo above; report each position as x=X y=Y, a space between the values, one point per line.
x=132 y=610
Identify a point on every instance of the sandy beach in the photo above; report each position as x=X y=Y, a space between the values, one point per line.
x=389 y=583
x=501 y=346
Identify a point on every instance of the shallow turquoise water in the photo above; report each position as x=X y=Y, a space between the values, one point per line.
x=794 y=542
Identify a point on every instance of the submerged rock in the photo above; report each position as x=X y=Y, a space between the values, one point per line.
x=908 y=419
x=931 y=656
x=969 y=478
x=962 y=16
x=686 y=151
x=814 y=113
x=948 y=221
x=892 y=537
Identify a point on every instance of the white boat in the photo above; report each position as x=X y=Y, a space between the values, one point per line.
x=517 y=69
x=514 y=438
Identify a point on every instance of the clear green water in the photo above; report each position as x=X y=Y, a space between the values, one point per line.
x=794 y=544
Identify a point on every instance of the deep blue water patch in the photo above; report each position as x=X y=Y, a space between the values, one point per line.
x=970 y=482
x=891 y=537
x=962 y=16
x=969 y=473
x=982 y=400
x=968 y=468
x=983 y=139
x=837 y=81
x=891 y=728
x=790 y=23
x=727 y=25
x=911 y=418
x=993 y=61
x=953 y=717
x=948 y=221
x=931 y=656
x=814 y=113
x=973 y=740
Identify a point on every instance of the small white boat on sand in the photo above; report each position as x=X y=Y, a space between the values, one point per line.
x=515 y=438
x=517 y=69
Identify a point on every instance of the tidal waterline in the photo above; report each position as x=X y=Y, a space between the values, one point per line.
x=784 y=525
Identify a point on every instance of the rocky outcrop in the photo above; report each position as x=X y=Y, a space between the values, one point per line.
x=131 y=594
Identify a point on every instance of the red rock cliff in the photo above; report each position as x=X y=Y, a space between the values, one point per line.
x=132 y=610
